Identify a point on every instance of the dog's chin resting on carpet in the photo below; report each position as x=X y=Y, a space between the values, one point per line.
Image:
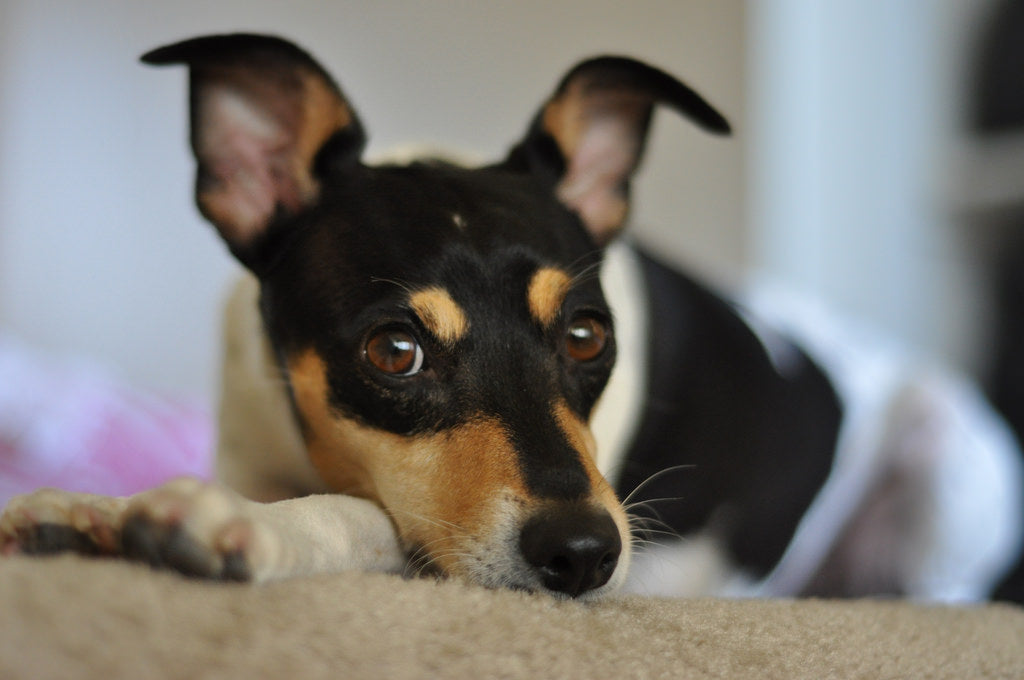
x=74 y=617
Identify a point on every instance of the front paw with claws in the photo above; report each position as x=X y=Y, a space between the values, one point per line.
x=192 y=527
x=195 y=528
x=52 y=521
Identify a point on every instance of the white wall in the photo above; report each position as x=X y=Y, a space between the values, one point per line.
x=101 y=251
x=856 y=111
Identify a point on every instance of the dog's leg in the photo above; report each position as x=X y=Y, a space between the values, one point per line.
x=206 y=530
x=942 y=519
x=260 y=450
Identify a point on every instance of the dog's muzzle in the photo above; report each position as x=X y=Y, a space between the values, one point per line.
x=572 y=548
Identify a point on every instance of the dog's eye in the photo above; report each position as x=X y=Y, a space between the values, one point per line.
x=395 y=352
x=586 y=338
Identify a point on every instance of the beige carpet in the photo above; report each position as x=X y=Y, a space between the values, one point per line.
x=70 y=617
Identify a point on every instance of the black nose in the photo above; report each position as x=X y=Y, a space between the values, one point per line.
x=573 y=549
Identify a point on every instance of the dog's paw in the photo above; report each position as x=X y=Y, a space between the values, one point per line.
x=51 y=521
x=193 y=527
x=196 y=528
x=206 y=530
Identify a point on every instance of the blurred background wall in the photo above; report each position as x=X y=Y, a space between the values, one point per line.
x=848 y=176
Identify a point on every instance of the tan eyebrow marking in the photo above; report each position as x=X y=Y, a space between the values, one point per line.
x=546 y=293
x=442 y=316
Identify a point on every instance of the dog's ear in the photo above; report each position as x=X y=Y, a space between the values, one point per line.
x=588 y=138
x=267 y=123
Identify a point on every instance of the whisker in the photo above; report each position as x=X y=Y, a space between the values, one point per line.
x=652 y=525
x=651 y=532
x=419 y=561
x=424 y=547
x=633 y=508
x=644 y=536
x=436 y=521
x=594 y=255
x=643 y=546
x=403 y=285
x=427 y=556
x=648 y=535
x=628 y=507
x=591 y=271
x=657 y=475
x=426 y=561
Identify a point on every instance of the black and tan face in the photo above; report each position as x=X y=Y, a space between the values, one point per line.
x=446 y=364
x=443 y=329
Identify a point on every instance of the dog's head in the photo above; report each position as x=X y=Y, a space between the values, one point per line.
x=442 y=329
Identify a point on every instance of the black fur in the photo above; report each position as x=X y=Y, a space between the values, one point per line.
x=755 y=446
x=379 y=232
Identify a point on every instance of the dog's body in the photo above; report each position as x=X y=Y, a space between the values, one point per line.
x=424 y=349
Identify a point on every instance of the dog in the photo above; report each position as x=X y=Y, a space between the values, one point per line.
x=466 y=371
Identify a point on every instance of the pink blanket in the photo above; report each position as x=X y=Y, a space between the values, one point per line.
x=72 y=425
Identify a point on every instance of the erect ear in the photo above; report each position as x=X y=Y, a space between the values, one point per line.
x=267 y=122
x=588 y=138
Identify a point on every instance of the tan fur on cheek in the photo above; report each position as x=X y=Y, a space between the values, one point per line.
x=440 y=488
x=476 y=461
x=450 y=493
x=338 y=461
x=546 y=292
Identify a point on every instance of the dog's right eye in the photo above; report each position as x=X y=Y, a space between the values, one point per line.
x=395 y=352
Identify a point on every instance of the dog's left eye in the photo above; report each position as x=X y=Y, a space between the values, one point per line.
x=395 y=352
x=586 y=338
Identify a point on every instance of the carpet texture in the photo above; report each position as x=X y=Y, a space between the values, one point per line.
x=69 y=617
